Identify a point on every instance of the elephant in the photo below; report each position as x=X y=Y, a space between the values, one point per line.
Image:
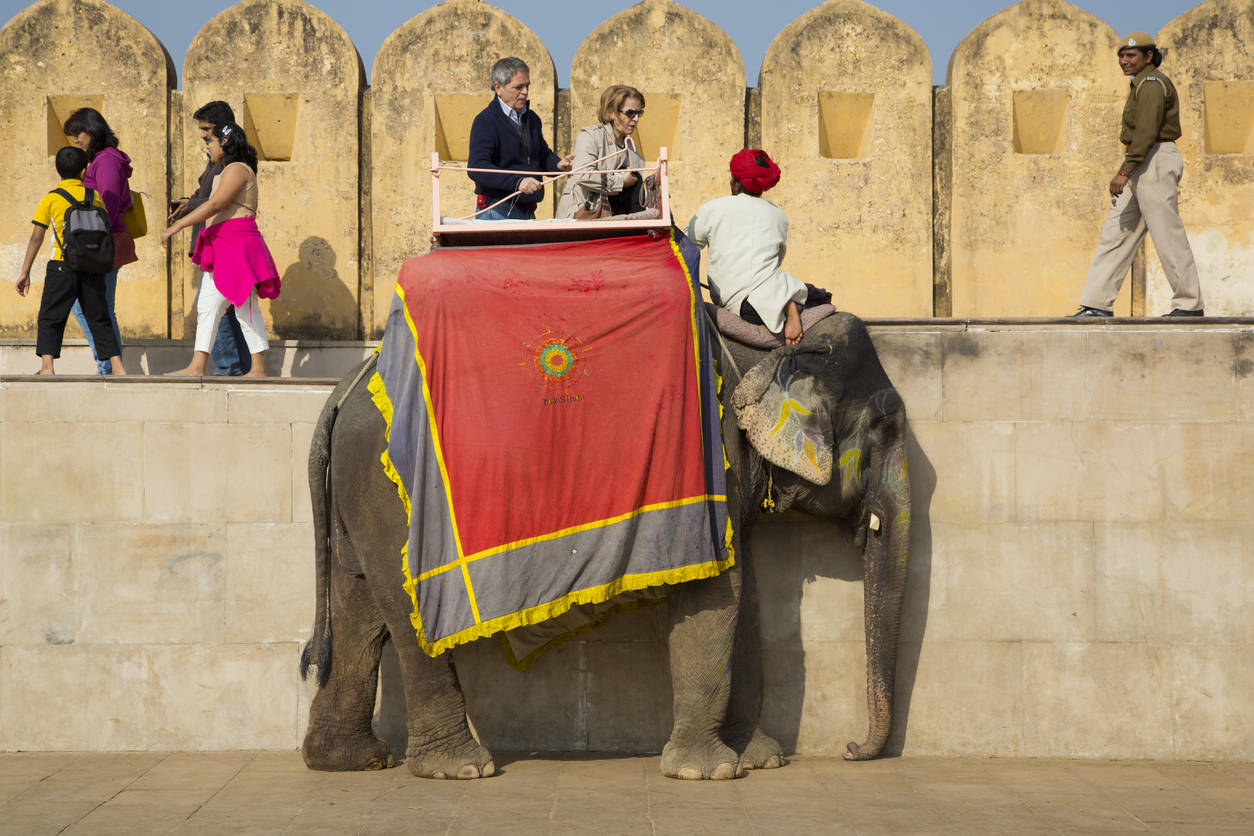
x=714 y=641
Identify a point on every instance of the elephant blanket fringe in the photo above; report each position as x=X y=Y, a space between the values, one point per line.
x=553 y=433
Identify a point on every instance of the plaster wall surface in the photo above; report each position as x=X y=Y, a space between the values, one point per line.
x=116 y=66
x=1036 y=96
x=431 y=78
x=846 y=112
x=1081 y=579
x=298 y=97
x=1208 y=59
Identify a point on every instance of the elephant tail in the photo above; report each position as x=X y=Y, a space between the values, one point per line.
x=885 y=564
x=317 y=650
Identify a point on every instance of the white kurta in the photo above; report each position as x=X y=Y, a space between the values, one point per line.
x=747 y=237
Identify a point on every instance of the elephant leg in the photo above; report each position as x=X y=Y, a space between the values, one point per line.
x=340 y=737
x=440 y=742
x=703 y=618
x=741 y=729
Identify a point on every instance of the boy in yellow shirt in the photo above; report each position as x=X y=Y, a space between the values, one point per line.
x=63 y=285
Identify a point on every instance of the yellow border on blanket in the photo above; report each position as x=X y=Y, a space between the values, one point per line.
x=574 y=529
x=379 y=395
x=693 y=301
x=541 y=612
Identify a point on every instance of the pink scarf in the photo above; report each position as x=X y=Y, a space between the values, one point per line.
x=237 y=256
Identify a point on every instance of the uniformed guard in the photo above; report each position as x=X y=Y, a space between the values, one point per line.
x=1144 y=191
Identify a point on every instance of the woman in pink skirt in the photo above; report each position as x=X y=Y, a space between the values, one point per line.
x=238 y=266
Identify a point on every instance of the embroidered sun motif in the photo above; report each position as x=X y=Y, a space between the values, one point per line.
x=559 y=360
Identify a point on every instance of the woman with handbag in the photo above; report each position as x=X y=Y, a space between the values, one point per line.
x=602 y=189
x=109 y=173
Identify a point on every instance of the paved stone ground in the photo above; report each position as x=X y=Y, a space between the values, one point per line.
x=268 y=792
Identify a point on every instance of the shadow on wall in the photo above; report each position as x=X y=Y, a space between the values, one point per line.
x=315 y=304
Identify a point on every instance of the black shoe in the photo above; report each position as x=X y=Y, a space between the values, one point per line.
x=1085 y=310
x=1178 y=312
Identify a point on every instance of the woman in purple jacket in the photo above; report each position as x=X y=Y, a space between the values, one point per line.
x=109 y=173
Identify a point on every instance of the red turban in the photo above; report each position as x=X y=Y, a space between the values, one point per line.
x=755 y=170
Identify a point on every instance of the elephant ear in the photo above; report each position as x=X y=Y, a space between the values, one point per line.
x=784 y=413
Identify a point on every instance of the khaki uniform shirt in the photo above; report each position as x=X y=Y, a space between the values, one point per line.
x=1151 y=114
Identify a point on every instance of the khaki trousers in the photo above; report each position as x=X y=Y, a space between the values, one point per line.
x=1149 y=201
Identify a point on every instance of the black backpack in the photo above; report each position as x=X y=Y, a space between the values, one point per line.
x=88 y=243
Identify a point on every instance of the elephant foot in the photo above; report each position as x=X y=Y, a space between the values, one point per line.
x=761 y=752
x=712 y=761
x=465 y=762
x=332 y=752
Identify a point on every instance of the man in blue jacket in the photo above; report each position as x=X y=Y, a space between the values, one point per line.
x=506 y=135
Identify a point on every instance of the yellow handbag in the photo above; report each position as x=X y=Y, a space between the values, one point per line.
x=134 y=218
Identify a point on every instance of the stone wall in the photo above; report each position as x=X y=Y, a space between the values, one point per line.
x=1081 y=582
x=430 y=80
x=982 y=200
x=1035 y=93
x=1210 y=64
x=853 y=137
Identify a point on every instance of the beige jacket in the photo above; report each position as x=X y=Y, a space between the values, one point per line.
x=593 y=143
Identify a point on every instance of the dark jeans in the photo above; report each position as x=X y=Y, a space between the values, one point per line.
x=103 y=366
x=62 y=288
x=229 y=352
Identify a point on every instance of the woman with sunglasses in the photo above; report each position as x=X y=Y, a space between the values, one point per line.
x=611 y=142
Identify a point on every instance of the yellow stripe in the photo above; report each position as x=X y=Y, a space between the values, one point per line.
x=574 y=529
x=692 y=325
x=696 y=354
x=439 y=453
x=378 y=394
x=592 y=595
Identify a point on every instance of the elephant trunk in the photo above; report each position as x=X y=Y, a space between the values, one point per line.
x=885 y=564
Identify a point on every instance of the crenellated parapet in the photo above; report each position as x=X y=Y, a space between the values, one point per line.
x=298 y=97
x=55 y=57
x=430 y=79
x=1035 y=93
x=846 y=99
x=981 y=197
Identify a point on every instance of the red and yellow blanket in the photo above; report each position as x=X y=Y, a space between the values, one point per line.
x=552 y=431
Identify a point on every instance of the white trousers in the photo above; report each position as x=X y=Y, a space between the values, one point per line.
x=1148 y=201
x=212 y=305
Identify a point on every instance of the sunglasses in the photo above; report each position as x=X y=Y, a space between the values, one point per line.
x=632 y=114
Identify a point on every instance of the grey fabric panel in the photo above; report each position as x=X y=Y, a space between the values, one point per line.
x=540 y=573
x=411 y=447
x=444 y=605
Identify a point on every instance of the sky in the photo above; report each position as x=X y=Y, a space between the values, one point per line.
x=563 y=24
